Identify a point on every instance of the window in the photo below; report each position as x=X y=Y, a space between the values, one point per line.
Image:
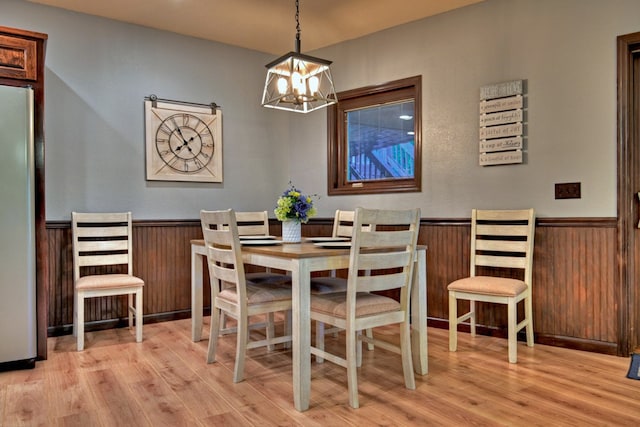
x=375 y=139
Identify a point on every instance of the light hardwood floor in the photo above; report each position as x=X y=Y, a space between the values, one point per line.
x=164 y=381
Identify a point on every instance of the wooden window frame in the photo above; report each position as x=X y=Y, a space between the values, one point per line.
x=370 y=96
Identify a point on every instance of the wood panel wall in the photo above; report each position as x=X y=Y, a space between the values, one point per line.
x=574 y=277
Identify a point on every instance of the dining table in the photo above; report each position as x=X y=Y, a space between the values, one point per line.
x=300 y=260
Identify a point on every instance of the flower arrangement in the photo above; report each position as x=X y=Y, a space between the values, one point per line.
x=293 y=205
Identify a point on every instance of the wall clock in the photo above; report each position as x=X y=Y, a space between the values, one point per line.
x=183 y=141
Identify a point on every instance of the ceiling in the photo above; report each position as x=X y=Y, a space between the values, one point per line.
x=265 y=25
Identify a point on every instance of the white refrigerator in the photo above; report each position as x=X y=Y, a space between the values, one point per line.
x=18 y=337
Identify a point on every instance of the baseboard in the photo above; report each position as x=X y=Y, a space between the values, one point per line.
x=545 y=339
x=102 y=325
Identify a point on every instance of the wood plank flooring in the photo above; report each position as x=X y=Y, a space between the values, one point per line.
x=164 y=381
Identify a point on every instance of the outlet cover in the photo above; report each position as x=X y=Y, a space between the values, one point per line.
x=568 y=190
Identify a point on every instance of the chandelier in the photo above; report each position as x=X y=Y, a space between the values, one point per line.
x=298 y=82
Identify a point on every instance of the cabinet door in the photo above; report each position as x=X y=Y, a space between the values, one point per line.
x=18 y=59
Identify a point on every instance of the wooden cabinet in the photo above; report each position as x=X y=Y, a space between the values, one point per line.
x=18 y=58
x=22 y=64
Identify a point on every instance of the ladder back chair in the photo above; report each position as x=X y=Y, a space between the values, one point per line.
x=238 y=298
x=499 y=239
x=256 y=223
x=100 y=240
x=379 y=260
x=342 y=227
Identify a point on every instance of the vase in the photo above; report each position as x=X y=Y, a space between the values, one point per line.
x=291 y=231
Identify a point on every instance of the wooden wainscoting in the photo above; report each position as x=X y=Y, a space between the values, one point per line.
x=574 y=277
x=574 y=280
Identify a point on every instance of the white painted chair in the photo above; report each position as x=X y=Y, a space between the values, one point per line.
x=379 y=260
x=502 y=239
x=238 y=298
x=256 y=224
x=342 y=227
x=104 y=239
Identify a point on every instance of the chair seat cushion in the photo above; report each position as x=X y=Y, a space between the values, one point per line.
x=328 y=285
x=366 y=304
x=104 y=281
x=257 y=294
x=269 y=278
x=489 y=285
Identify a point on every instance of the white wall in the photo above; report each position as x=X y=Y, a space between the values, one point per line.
x=99 y=71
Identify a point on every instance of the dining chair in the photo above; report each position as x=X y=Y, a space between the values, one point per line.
x=342 y=227
x=239 y=298
x=101 y=240
x=256 y=223
x=501 y=240
x=380 y=259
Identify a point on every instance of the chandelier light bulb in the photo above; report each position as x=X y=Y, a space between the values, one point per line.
x=296 y=82
x=282 y=85
x=314 y=84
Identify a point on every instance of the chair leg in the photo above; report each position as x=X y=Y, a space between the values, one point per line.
x=528 y=310
x=319 y=339
x=369 y=333
x=139 y=315
x=75 y=313
x=80 y=321
x=223 y=321
x=241 y=348
x=288 y=325
x=352 y=370
x=453 y=322
x=472 y=319
x=358 y=350
x=407 y=359
x=512 y=319
x=270 y=331
x=130 y=308
x=214 y=331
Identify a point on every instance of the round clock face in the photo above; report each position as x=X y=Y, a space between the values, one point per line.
x=185 y=143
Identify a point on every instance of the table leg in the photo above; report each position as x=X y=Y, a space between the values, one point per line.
x=196 y=294
x=301 y=336
x=419 y=344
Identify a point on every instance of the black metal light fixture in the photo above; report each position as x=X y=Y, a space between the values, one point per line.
x=298 y=82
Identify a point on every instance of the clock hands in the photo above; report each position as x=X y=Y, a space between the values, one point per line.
x=185 y=143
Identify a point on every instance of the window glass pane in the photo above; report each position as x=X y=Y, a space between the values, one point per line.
x=380 y=142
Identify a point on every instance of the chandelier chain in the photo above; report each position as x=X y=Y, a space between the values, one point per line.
x=298 y=19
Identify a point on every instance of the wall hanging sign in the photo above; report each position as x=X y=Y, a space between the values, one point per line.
x=501 y=123
x=183 y=140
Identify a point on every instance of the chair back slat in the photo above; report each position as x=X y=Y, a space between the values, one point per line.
x=102 y=246
x=503 y=215
x=377 y=261
x=501 y=261
x=102 y=260
x=252 y=223
x=382 y=283
x=101 y=230
x=502 y=230
x=502 y=246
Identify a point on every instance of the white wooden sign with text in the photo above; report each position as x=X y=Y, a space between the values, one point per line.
x=501 y=132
